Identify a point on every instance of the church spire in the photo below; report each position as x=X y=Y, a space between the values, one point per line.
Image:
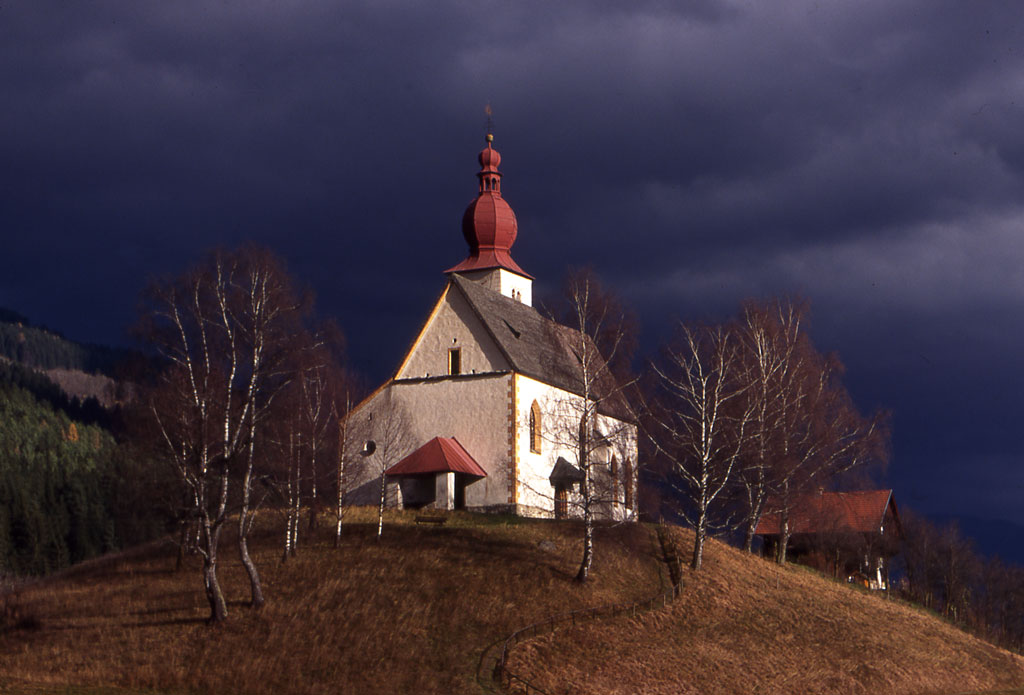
x=490 y=229
x=490 y=177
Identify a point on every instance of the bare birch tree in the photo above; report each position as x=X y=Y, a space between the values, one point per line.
x=699 y=421
x=806 y=429
x=269 y=317
x=192 y=403
x=377 y=437
x=292 y=491
x=317 y=417
x=182 y=403
x=322 y=380
x=342 y=474
x=309 y=416
x=770 y=333
x=221 y=328
x=823 y=437
x=601 y=336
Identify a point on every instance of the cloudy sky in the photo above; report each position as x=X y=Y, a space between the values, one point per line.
x=868 y=155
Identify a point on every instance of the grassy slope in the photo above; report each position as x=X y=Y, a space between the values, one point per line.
x=743 y=625
x=413 y=613
x=410 y=614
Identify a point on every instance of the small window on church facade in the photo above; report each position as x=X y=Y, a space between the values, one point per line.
x=455 y=361
x=535 y=426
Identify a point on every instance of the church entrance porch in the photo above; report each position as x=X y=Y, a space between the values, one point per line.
x=461 y=481
x=563 y=476
x=418 y=491
x=436 y=475
x=444 y=490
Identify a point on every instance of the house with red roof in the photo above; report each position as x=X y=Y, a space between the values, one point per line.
x=482 y=411
x=850 y=534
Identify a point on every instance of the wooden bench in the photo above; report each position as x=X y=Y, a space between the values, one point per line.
x=435 y=519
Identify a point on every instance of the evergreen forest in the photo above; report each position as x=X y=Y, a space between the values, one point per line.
x=68 y=489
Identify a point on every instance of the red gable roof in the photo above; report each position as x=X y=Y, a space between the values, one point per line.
x=439 y=455
x=862 y=511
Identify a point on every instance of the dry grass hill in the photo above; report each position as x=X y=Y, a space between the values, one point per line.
x=414 y=612
x=745 y=625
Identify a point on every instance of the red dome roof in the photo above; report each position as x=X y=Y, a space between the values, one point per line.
x=489 y=158
x=489 y=222
x=489 y=225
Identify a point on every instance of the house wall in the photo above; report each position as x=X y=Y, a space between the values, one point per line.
x=560 y=413
x=453 y=324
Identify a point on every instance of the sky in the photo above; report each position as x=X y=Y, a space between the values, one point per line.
x=868 y=156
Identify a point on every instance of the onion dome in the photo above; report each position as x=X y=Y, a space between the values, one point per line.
x=489 y=225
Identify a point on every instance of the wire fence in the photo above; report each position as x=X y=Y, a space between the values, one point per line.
x=516 y=683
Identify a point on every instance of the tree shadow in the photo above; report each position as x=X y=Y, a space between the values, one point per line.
x=240 y=603
x=167 y=623
x=158 y=611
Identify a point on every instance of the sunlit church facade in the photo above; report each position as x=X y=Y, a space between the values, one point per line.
x=481 y=413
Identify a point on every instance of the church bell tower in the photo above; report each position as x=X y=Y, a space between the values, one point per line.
x=489 y=227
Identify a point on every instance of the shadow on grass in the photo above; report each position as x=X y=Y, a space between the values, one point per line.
x=167 y=623
x=159 y=611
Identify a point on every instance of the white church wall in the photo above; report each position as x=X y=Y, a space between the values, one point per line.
x=453 y=325
x=623 y=445
x=474 y=410
x=505 y=282
x=534 y=491
x=375 y=424
x=560 y=412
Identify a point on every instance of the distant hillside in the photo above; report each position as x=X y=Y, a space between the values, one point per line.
x=42 y=348
x=83 y=371
x=412 y=613
x=43 y=388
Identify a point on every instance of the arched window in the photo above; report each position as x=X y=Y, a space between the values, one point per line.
x=627 y=479
x=535 y=425
x=614 y=466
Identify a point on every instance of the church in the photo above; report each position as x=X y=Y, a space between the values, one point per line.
x=491 y=408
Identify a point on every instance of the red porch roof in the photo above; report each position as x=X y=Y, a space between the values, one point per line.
x=439 y=455
x=862 y=512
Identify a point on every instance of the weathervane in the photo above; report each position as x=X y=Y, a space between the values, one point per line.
x=490 y=122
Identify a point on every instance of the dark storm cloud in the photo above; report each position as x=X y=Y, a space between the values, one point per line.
x=867 y=155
